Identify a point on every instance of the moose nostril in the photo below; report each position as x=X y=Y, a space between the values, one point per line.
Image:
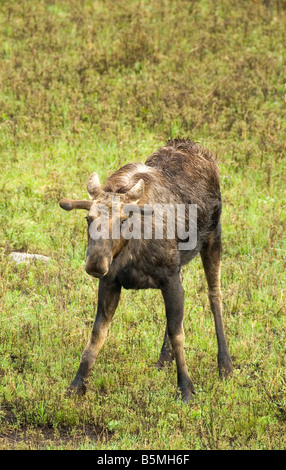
x=105 y=266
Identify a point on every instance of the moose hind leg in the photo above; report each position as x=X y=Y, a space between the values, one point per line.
x=167 y=353
x=108 y=298
x=211 y=256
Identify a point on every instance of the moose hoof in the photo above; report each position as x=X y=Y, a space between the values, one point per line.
x=225 y=368
x=77 y=389
x=186 y=393
x=185 y=397
x=163 y=364
x=165 y=360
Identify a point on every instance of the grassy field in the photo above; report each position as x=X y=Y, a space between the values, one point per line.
x=89 y=86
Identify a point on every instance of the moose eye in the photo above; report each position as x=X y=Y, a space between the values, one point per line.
x=122 y=222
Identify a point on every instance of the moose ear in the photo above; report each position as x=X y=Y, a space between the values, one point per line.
x=135 y=193
x=93 y=186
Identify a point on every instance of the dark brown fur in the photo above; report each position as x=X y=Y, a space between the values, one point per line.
x=182 y=172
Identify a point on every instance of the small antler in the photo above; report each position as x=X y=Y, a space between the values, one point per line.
x=93 y=185
x=70 y=204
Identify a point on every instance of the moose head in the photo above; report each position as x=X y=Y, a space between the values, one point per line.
x=107 y=220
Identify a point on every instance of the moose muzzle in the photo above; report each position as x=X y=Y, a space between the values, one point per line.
x=98 y=267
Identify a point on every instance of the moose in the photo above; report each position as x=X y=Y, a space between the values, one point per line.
x=180 y=173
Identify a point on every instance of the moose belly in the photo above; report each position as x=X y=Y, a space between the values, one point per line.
x=131 y=278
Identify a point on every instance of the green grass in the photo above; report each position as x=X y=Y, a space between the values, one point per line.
x=93 y=87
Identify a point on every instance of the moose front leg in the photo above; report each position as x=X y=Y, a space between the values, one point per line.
x=211 y=255
x=173 y=294
x=108 y=298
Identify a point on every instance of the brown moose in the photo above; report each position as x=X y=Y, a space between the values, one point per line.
x=180 y=173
